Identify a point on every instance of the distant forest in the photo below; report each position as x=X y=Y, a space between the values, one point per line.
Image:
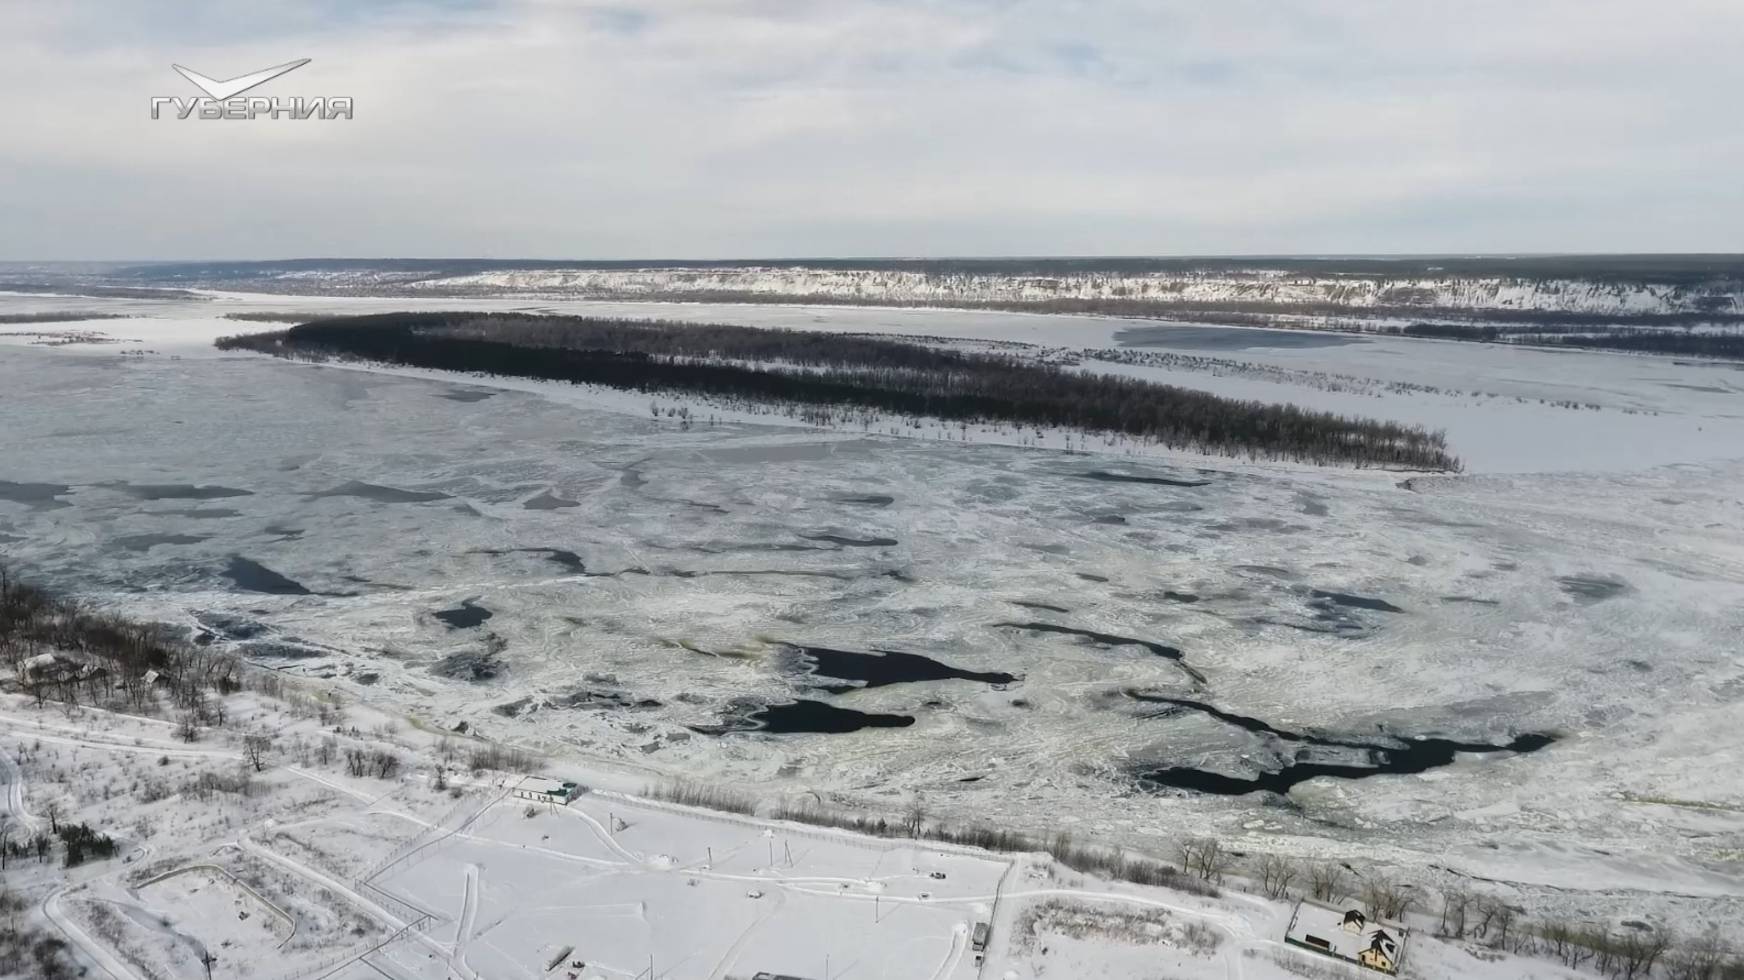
x=1729 y=346
x=1668 y=269
x=827 y=369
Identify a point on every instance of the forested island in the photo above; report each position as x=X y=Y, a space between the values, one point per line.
x=824 y=370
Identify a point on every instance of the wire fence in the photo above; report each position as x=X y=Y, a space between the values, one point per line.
x=401 y=855
x=339 y=959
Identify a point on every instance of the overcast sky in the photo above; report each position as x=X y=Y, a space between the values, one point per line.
x=721 y=128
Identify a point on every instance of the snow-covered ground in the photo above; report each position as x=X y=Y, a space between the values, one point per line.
x=1584 y=578
x=1354 y=291
x=303 y=870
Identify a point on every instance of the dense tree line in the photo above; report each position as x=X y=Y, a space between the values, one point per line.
x=94 y=658
x=812 y=368
x=63 y=317
x=84 y=843
x=1728 y=346
x=1668 y=269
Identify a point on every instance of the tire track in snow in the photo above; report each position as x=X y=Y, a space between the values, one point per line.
x=468 y=919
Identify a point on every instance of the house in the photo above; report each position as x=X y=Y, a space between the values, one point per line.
x=41 y=665
x=1348 y=934
x=544 y=790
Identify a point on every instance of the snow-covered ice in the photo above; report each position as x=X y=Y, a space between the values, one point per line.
x=1585 y=578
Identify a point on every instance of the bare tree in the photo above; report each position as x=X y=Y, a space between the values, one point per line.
x=385 y=763
x=255 y=747
x=1204 y=857
x=1701 y=958
x=1327 y=881
x=916 y=817
x=1638 y=950
x=1385 y=898
x=1454 y=903
x=1503 y=920
x=1276 y=874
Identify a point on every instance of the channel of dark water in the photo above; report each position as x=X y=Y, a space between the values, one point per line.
x=848 y=542
x=381 y=494
x=883 y=667
x=180 y=491
x=1113 y=640
x=1160 y=481
x=465 y=616
x=818 y=718
x=1387 y=755
x=251 y=576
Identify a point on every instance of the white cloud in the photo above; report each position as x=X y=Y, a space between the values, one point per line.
x=860 y=127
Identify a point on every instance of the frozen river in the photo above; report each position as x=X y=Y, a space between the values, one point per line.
x=568 y=570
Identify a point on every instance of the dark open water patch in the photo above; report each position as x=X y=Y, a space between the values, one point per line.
x=549 y=501
x=1350 y=601
x=381 y=494
x=869 y=500
x=1109 y=519
x=179 y=491
x=877 y=669
x=1240 y=525
x=818 y=718
x=146 y=542
x=1112 y=640
x=279 y=650
x=1587 y=589
x=225 y=626
x=1381 y=755
x=1041 y=605
x=285 y=533
x=760 y=546
x=1086 y=576
x=578 y=699
x=42 y=496
x=1187 y=337
x=251 y=576
x=1187 y=598
x=468 y=394
x=847 y=542
x=1472 y=599
x=471 y=665
x=567 y=559
x=1160 y=481
x=199 y=513
x=758 y=572
x=464 y=616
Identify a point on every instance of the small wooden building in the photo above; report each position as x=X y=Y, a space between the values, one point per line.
x=541 y=789
x=1349 y=934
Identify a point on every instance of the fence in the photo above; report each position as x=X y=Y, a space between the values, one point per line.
x=333 y=962
x=393 y=903
x=402 y=855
